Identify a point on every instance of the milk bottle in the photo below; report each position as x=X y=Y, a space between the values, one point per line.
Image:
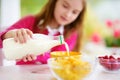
x=37 y=45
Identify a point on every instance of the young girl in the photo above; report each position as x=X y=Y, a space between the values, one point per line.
x=57 y=17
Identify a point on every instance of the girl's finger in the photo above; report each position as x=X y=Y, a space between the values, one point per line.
x=33 y=57
x=20 y=36
x=24 y=34
x=30 y=33
x=25 y=59
x=29 y=58
x=15 y=36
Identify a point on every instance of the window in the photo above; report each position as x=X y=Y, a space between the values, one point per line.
x=31 y=6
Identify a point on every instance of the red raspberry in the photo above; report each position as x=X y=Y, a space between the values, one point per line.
x=106 y=57
x=111 y=57
x=118 y=59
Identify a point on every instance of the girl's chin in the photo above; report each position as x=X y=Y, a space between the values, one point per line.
x=63 y=23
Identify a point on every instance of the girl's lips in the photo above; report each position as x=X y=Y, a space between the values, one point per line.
x=63 y=18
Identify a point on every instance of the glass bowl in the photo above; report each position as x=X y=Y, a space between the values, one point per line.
x=110 y=63
x=70 y=67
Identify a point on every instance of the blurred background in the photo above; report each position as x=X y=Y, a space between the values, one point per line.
x=14 y=9
x=101 y=26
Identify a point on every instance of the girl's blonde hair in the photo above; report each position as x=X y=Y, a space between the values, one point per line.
x=47 y=13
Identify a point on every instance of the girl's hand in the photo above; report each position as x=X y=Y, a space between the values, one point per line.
x=22 y=35
x=19 y=35
x=29 y=57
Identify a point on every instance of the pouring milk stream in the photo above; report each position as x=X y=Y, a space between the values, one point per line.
x=37 y=45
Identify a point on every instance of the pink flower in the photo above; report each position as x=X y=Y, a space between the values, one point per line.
x=96 y=38
x=109 y=23
x=116 y=33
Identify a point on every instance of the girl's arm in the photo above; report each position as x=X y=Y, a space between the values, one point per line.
x=71 y=41
x=26 y=22
x=8 y=34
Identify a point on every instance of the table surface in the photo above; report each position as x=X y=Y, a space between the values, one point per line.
x=42 y=72
x=1 y=57
x=25 y=72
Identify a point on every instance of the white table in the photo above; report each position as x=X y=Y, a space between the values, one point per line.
x=101 y=74
x=25 y=72
x=42 y=72
x=1 y=57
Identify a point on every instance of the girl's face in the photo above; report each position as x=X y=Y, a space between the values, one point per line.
x=66 y=11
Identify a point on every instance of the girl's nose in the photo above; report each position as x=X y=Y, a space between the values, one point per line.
x=68 y=14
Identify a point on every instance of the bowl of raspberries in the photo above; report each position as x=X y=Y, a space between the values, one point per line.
x=110 y=62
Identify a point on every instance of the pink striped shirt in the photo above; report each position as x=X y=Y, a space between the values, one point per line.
x=28 y=22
